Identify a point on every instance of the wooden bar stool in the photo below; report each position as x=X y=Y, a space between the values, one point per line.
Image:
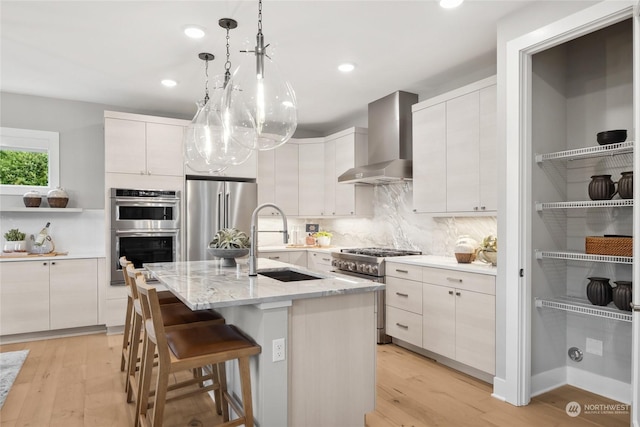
x=188 y=349
x=165 y=297
x=174 y=316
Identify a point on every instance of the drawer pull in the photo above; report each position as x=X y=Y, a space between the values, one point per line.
x=401 y=271
x=401 y=294
x=453 y=279
x=457 y=293
x=450 y=292
x=400 y=325
x=274 y=257
x=326 y=259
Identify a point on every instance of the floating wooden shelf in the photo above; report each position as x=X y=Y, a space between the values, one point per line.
x=42 y=210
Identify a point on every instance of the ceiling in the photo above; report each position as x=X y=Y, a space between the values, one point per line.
x=116 y=52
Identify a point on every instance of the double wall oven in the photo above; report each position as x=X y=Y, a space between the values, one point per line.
x=368 y=263
x=145 y=227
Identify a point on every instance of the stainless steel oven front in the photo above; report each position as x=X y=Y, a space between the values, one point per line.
x=142 y=246
x=145 y=228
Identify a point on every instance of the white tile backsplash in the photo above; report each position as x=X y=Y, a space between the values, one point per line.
x=394 y=224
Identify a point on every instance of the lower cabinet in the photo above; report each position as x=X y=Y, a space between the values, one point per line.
x=447 y=312
x=298 y=258
x=319 y=261
x=458 y=319
x=47 y=295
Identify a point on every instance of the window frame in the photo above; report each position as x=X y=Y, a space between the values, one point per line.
x=33 y=140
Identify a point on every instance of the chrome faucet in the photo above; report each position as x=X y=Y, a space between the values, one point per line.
x=254 y=235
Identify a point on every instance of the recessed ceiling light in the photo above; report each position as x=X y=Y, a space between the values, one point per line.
x=346 y=68
x=194 y=32
x=450 y=4
x=169 y=82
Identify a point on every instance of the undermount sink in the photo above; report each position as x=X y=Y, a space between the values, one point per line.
x=287 y=275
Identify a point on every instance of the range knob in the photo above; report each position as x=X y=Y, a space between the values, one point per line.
x=335 y=263
x=352 y=266
x=374 y=269
x=361 y=268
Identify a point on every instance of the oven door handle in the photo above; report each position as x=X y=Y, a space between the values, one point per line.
x=147 y=233
x=151 y=201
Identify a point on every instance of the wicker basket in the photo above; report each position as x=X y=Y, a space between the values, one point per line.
x=609 y=245
x=465 y=258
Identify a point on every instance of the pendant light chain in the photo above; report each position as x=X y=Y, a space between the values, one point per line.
x=259 y=16
x=206 y=81
x=227 y=65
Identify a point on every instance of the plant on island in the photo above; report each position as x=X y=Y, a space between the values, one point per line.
x=230 y=238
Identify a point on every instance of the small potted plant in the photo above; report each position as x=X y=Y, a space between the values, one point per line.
x=488 y=251
x=15 y=241
x=323 y=238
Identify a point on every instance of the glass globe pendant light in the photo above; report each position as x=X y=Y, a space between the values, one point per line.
x=199 y=140
x=266 y=95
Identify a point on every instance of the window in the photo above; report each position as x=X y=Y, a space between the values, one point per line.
x=29 y=160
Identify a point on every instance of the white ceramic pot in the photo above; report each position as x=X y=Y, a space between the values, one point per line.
x=324 y=241
x=15 y=246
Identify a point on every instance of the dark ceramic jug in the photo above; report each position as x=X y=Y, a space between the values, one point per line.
x=625 y=185
x=599 y=291
x=601 y=187
x=622 y=295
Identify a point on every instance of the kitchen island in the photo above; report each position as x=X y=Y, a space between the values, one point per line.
x=327 y=376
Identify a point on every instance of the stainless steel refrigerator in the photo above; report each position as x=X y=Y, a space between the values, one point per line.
x=212 y=203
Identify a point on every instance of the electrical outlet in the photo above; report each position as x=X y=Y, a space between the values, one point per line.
x=594 y=346
x=278 y=350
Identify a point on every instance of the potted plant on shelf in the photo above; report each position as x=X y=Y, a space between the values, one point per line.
x=323 y=238
x=15 y=241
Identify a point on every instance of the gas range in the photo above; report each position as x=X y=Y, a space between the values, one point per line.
x=366 y=261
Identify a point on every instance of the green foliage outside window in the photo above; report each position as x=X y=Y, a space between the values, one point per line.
x=24 y=168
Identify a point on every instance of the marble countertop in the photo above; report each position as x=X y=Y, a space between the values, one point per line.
x=205 y=284
x=445 y=262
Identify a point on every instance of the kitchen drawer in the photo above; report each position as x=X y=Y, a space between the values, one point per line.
x=403 y=271
x=404 y=294
x=404 y=325
x=483 y=283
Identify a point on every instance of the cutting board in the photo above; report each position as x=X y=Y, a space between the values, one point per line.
x=28 y=255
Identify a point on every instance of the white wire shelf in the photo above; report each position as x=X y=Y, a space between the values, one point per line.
x=580 y=256
x=584 y=307
x=542 y=206
x=584 y=153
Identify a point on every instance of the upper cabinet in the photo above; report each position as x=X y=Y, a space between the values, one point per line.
x=301 y=177
x=345 y=150
x=454 y=150
x=143 y=145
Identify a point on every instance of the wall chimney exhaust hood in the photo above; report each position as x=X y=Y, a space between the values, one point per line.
x=389 y=144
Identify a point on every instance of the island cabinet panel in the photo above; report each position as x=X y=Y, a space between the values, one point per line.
x=278 y=179
x=332 y=360
x=24 y=297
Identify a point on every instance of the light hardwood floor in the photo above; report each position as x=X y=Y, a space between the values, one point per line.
x=76 y=381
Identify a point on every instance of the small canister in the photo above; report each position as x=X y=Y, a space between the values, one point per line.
x=625 y=185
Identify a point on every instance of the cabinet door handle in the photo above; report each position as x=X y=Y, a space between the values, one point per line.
x=402 y=271
x=274 y=257
x=483 y=208
x=453 y=279
x=400 y=325
x=450 y=292
x=53 y=263
x=401 y=294
x=44 y=263
x=457 y=293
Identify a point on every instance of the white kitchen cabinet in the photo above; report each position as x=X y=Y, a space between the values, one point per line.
x=143 y=145
x=47 y=295
x=73 y=292
x=403 y=302
x=311 y=177
x=24 y=297
x=278 y=179
x=298 y=258
x=454 y=140
x=319 y=261
x=459 y=317
x=343 y=151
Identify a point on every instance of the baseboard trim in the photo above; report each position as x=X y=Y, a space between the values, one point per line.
x=499 y=389
x=47 y=335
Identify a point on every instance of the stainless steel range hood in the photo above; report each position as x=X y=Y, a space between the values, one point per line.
x=390 y=139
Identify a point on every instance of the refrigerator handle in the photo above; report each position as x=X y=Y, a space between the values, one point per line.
x=227 y=203
x=220 y=218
